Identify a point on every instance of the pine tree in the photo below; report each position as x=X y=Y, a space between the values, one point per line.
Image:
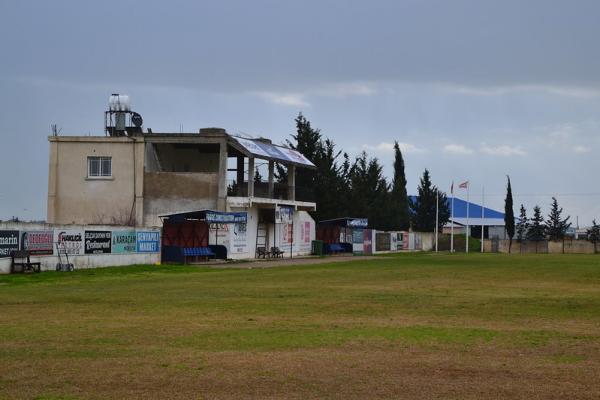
x=509 y=215
x=399 y=197
x=556 y=226
x=423 y=207
x=522 y=225
x=593 y=234
x=536 y=231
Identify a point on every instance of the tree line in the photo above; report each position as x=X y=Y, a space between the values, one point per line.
x=345 y=187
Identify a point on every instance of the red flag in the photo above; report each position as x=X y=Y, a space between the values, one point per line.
x=464 y=185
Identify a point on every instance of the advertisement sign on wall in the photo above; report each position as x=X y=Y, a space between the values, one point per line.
x=367 y=241
x=70 y=241
x=284 y=214
x=97 y=242
x=123 y=241
x=148 y=241
x=226 y=217
x=219 y=234
x=238 y=239
x=39 y=243
x=9 y=242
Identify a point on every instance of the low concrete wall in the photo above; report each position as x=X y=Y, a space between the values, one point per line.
x=81 y=261
x=427 y=240
x=541 y=247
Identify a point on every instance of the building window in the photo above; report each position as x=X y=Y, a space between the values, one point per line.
x=99 y=167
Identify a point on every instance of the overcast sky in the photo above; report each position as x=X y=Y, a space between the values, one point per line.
x=471 y=89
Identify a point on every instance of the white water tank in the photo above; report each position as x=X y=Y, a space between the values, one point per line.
x=119 y=102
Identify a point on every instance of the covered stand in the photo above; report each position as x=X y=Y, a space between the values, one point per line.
x=190 y=230
x=339 y=234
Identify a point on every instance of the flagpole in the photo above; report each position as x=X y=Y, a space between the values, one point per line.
x=437 y=201
x=452 y=221
x=482 y=214
x=467 y=234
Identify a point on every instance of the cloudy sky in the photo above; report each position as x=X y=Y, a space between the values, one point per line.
x=471 y=89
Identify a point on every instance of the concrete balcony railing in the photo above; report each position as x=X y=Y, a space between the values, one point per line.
x=261 y=189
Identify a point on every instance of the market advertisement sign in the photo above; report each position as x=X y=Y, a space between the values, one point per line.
x=97 y=242
x=9 y=242
x=69 y=241
x=123 y=241
x=217 y=217
x=148 y=241
x=38 y=243
x=238 y=239
x=284 y=214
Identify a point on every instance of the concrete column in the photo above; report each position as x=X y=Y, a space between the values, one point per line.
x=240 y=173
x=140 y=152
x=271 y=176
x=52 y=181
x=222 y=192
x=250 y=176
x=291 y=182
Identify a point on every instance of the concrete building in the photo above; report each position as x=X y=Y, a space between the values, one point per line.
x=135 y=179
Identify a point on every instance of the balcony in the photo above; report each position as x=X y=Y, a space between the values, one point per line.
x=261 y=189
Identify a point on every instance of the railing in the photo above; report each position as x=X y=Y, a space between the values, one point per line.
x=261 y=189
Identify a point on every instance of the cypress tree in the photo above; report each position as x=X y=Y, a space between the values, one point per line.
x=509 y=215
x=399 y=197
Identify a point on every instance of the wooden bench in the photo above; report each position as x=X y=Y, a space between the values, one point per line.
x=197 y=252
x=276 y=252
x=21 y=259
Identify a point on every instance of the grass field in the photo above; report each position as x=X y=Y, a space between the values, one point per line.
x=404 y=326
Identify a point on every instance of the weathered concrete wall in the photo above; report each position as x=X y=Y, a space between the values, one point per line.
x=427 y=240
x=83 y=261
x=553 y=247
x=75 y=198
x=168 y=192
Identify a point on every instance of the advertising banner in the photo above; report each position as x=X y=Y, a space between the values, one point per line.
x=267 y=150
x=123 y=242
x=226 y=217
x=97 y=242
x=284 y=214
x=368 y=241
x=219 y=234
x=70 y=241
x=238 y=239
x=9 y=242
x=39 y=243
x=357 y=241
x=358 y=222
x=148 y=241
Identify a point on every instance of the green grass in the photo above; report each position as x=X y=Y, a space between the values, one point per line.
x=546 y=304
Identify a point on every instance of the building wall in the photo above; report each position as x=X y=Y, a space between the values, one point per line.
x=169 y=192
x=75 y=198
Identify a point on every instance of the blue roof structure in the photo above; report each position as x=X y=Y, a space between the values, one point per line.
x=460 y=209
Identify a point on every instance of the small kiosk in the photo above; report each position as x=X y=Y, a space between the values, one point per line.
x=345 y=235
